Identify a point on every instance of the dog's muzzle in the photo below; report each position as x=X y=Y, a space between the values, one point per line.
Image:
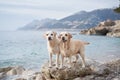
x=49 y=38
x=63 y=39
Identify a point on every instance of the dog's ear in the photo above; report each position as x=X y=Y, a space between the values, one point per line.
x=59 y=36
x=70 y=35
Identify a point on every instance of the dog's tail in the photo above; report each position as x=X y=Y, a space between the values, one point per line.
x=86 y=43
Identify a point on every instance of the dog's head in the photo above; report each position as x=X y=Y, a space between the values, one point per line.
x=65 y=36
x=50 y=35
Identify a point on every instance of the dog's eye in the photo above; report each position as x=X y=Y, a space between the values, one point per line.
x=51 y=34
x=65 y=34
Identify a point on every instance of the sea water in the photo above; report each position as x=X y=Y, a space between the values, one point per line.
x=29 y=48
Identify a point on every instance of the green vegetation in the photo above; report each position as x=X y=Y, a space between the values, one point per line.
x=118 y=8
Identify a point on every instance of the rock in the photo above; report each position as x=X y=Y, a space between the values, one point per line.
x=93 y=71
x=109 y=28
x=115 y=33
x=40 y=77
x=6 y=69
x=2 y=74
x=66 y=72
x=114 y=66
x=77 y=78
x=20 y=79
x=18 y=70
x=96 y=31
x=3 y=71
x=107 y=23
x=100 y=31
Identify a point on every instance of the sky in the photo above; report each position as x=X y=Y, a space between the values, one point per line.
x=17 y=13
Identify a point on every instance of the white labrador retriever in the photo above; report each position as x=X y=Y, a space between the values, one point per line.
x=70 y=47
x=53 y=46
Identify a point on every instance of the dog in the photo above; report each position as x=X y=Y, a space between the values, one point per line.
x=70 y=47
x=53 y=46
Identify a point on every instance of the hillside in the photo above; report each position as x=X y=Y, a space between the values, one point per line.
x=79 y=20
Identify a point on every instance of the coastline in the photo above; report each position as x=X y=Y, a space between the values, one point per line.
x=93 y=71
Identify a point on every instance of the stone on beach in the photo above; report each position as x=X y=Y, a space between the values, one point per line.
x=18 y=70
x=93 y=71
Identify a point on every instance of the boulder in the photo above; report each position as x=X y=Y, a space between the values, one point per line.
x=65 y=72
x=20 y=79
x=18 y=70
x=101 y=31
x=93 y=71
x=6 y=69
x=3 y=71
x=114 y=33
x=109 y=28
x=96 y=31
x=40 y=77
x=2 y=75
x=92 y=68
x=107 y=23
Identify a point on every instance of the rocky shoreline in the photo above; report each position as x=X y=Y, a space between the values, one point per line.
x=93 y=71
x=108 y=28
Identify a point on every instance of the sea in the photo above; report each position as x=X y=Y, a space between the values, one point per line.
x=29 y=48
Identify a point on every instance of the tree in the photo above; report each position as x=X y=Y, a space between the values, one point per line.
x=118 y=8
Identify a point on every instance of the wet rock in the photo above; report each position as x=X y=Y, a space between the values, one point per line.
x=115 y=33
x=96 y=31
x=66 y=73
x=93 y=71
x=6 y=69
x=109 y=28
x=2 y=74
x=20 y=79
x=114 y=66
x=3 y=71
x=102 y=70
x=107 y=23
x=18 y=70
x=40 y=77
x=77 y=78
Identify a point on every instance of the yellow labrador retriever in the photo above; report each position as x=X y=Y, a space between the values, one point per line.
x=53 y=46
x=70 y=47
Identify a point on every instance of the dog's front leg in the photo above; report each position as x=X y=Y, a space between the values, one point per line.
x=62 y=62
x=50 y=59
x=57 y=60
x=70 y=64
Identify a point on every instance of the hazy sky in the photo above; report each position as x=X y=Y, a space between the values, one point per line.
x=17 y=13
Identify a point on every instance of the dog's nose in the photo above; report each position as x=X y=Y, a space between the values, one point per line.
x=49 y=38
x=63 y=38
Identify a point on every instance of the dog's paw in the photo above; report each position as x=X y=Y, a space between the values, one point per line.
x=69 y=66
x=83 y=66
x=61 y=67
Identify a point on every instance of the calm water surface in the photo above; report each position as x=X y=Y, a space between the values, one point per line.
x=28 y=48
